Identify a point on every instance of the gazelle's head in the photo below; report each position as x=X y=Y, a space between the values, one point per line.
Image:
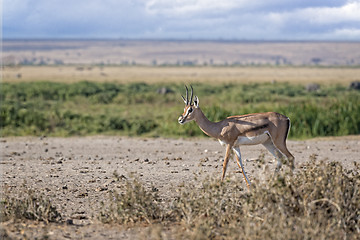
x=190 y=107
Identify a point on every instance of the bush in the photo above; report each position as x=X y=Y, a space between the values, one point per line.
x=29 y=206
x=134 y=205
x=320 y=201
x=137 y=109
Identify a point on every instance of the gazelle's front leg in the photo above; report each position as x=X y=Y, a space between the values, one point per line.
x=240 y=164
x=226 y=160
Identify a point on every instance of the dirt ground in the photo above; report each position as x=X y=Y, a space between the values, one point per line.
x=77 y=173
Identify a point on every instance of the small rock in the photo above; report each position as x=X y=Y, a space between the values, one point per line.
x=82 y=195
x=101 y=189
x=69 y=222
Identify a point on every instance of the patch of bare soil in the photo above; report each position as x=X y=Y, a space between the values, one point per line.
x=77 y=174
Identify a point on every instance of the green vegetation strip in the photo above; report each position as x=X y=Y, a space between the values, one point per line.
x=137 y=109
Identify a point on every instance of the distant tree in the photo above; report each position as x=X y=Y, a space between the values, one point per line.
x=58 y=62
x=316 y=60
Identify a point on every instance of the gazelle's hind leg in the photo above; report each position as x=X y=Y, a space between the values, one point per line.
x=281 y=145
x=240 y=164
x=269 y=145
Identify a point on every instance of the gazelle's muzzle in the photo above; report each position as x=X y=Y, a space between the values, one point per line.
x=181 y=119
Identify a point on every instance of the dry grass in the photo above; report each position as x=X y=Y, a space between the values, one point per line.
x=133 y=205
x=70 y=74
x=28 y=205
x=320 y=201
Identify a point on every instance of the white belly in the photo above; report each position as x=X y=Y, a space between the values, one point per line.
x=243 y=140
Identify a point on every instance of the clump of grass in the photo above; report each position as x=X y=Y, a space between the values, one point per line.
x=205 y=212
x=135 y=204
x=320 y=201
x=30 y=206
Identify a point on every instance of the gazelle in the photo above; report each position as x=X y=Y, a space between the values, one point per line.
x=269 y=129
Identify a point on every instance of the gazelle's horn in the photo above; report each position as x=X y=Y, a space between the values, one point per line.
x=192 y=93
x=187 y=95
x=183 y=99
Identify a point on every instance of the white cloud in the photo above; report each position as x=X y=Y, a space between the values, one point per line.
x=347 y=33
x=227 y=19
x=189 y=7
x=349 y=12
x=346 y=13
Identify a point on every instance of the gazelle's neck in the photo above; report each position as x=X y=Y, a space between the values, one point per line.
x=208 y=127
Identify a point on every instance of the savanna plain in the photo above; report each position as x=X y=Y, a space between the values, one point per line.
x=94 y=151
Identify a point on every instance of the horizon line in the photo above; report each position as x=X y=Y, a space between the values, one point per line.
x=181 y=40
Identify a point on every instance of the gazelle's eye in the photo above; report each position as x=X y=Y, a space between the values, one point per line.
x=190 y=110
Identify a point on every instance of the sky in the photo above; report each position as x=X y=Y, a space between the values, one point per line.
x=337 y=20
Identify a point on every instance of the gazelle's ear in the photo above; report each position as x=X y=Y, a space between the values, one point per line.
x=196 y=102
